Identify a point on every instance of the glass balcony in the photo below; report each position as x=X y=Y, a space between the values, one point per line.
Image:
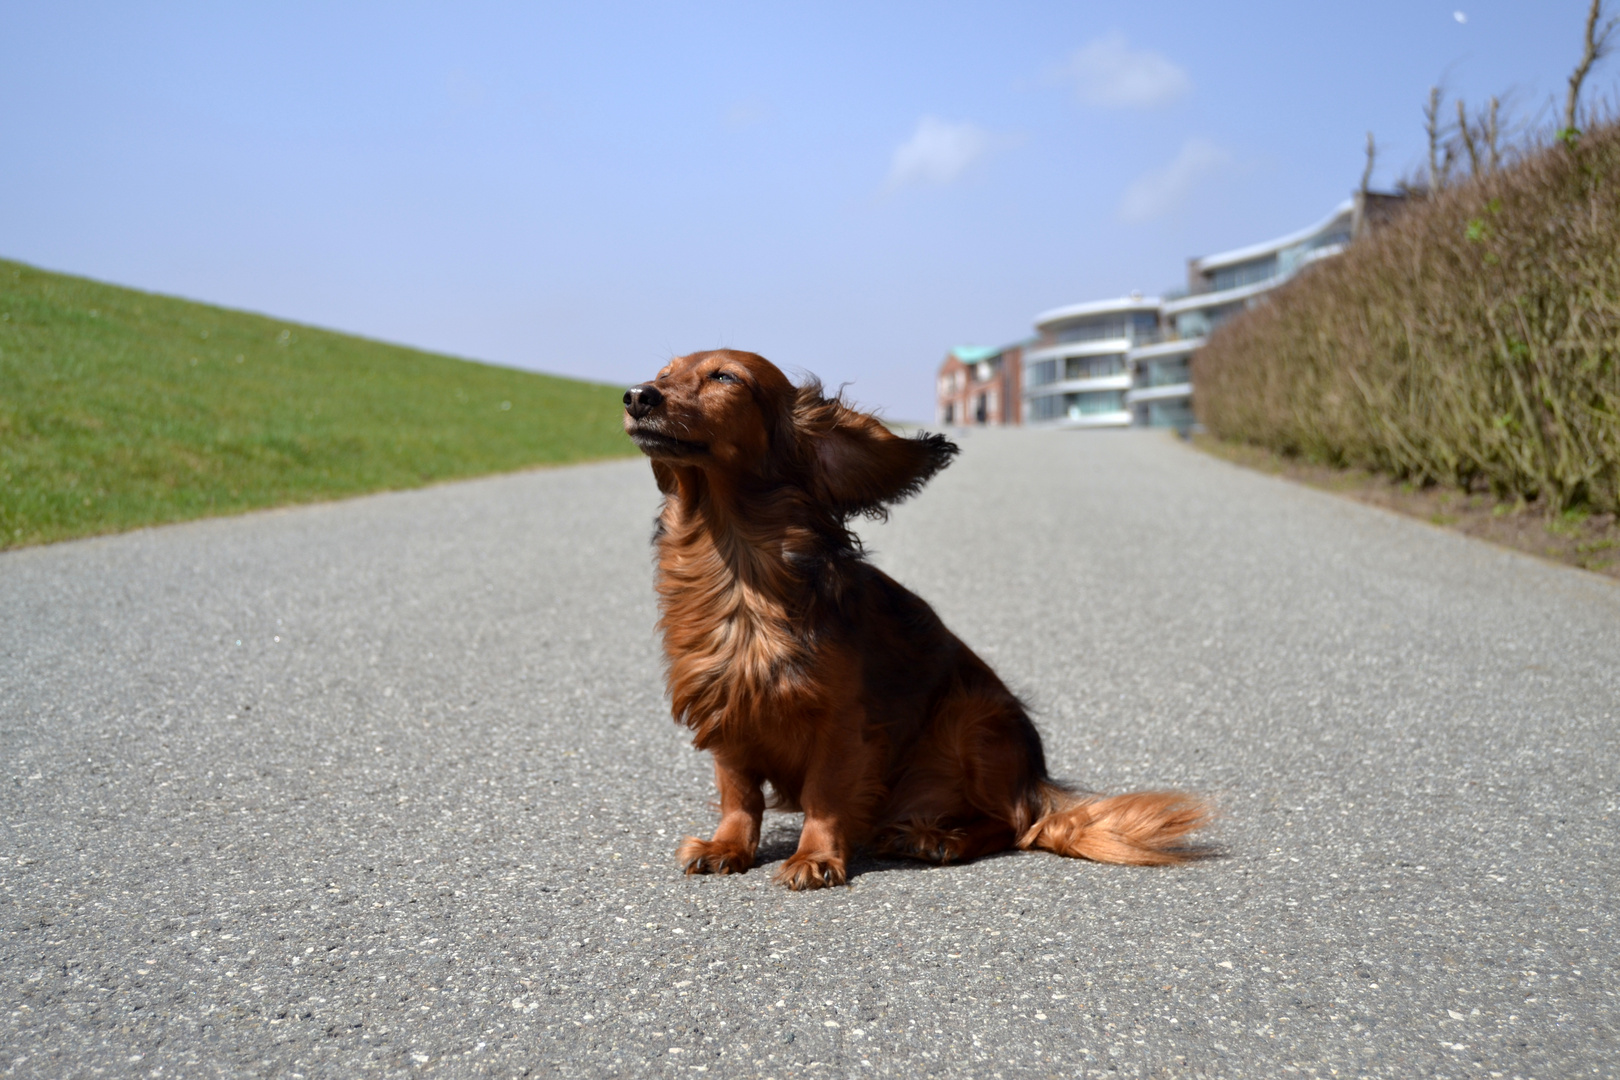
x=1093 y=367
x=1094 y=403
x=1169 y=372
x=1176 y=414
x=1078 y=406
x=1244 y=273
x=1137 y=327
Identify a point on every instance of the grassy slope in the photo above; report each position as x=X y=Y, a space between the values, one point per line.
x=120 y=409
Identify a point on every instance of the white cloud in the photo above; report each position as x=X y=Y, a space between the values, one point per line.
x=937 y=152
x=1156 y=193
x=1108 y=73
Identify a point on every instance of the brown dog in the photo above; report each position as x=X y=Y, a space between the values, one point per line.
x=797 y=663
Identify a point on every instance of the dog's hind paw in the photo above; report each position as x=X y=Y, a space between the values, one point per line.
x=811 y=872
x=925 y=842
x=713 y=857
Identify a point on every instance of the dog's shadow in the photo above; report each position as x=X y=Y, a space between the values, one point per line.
x=780 y=840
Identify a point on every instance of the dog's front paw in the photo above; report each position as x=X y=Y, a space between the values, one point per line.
x=713 y=857
x=811 y=872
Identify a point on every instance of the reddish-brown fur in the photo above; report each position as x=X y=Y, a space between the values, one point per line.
x=798 y=664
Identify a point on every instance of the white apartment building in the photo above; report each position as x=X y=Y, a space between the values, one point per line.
x=1219 y=286
x=1077 y=372
x=1133 y=360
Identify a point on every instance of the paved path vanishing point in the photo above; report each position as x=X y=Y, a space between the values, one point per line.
x=387 y=787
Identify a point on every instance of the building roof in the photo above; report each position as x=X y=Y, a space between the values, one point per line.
x=1096 y=307
x=972 y=354
x=1224 y=296
x=1255 y=251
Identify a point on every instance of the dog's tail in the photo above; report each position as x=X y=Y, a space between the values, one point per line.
x=1143 y=828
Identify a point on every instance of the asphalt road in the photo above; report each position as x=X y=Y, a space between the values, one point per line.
x=387 y=787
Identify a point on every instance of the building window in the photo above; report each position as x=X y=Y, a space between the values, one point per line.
x=1095 y=402
x=1075 y=406
x=949 y=416
x=1165 y=372
x=1218 y=315
x=1244 y=273
x=1137 y=326
x=1049 y=407
x=1290 y=258
x=1042 y=373
x=1199 y=322
x=1341 y=235
x=1094 y=367
x=1177 y=414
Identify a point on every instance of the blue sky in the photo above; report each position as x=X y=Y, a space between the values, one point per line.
x=849 y=189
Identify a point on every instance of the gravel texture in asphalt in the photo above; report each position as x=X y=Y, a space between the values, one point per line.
x=388 y=787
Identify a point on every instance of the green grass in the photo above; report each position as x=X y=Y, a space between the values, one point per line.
x=120 y=409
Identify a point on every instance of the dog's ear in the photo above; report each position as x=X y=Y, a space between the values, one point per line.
x=856 y=465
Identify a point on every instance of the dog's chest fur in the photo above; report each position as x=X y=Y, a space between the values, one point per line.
x=732 y=620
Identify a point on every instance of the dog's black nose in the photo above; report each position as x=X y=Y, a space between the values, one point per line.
x=641 y=400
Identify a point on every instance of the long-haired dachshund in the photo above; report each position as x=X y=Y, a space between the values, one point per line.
x=799 y=664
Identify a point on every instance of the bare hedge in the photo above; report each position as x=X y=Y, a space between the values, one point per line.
x=1473 y=341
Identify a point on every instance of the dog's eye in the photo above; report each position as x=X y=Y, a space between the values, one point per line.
x=722 y=376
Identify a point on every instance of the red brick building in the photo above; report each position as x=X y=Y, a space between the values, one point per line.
x=980 y=386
